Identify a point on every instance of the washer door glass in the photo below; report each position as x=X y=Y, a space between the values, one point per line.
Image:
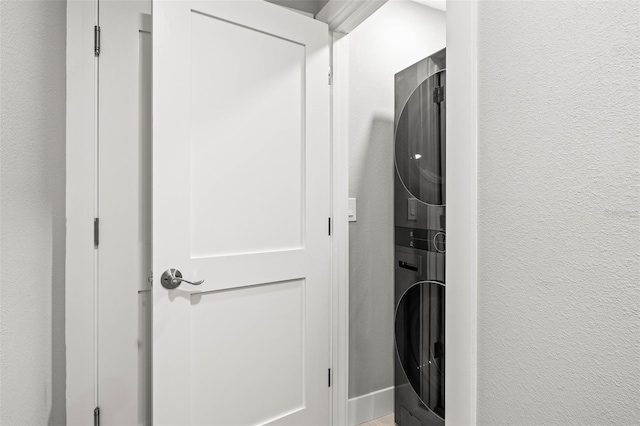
x=420 y=142
x=419 y=330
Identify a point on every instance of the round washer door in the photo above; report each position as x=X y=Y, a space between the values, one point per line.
x=420 y=142
x=419 y=335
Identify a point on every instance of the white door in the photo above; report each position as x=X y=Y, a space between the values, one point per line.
x=241 y=201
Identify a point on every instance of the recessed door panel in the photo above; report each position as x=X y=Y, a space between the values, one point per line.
x=259 y=356
x=247 y=139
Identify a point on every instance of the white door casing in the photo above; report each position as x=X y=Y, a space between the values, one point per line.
x=241 y=200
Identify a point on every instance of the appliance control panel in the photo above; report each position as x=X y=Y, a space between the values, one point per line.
x=422 y=239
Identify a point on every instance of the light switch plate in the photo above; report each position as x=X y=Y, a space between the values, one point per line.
x=351 y=210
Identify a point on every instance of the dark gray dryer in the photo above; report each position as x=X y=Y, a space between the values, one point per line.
x=420 y=212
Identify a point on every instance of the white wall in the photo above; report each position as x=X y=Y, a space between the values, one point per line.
x=308 y=6
x=32 y=213
x=396 y=36
x=559 y=212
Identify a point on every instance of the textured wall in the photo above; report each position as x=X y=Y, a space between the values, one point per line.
x=559 y=213
x=394 y=37
x=32 y=182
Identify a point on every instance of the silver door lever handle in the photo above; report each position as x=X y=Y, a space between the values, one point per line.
x=172 y=278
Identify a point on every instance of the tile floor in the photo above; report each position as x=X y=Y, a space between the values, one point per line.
x=381 y=421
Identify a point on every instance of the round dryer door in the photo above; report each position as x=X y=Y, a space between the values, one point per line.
x=419 y=332
x=420 y=142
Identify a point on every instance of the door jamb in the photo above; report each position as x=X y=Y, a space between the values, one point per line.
x=462 y=206
x=81 y=195
x=340 y=243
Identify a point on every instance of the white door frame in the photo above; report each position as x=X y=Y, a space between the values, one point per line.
x=342 y=17
x=340 y=241
x=462 y=221
x=81 y=194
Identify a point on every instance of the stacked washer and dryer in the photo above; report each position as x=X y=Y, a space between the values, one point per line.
x=420 y=213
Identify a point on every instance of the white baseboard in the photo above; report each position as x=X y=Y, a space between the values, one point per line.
x=370 y=406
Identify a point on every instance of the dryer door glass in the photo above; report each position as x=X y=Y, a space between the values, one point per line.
x=420 y=142
x=419 y=330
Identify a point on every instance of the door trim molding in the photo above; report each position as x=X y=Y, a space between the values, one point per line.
x=462 y=206
x=345 y=15
x=342 y=16
x=81 y=209
x=340 y=243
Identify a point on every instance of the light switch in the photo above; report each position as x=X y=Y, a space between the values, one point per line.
x=412 y=205
x=351 y=210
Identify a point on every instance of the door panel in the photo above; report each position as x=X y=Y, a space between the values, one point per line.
x=248 y=126
x=265 y=368
x=241 y=200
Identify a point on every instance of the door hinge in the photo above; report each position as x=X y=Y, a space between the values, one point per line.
x=96 y=232
x=438 y=94
x=96 y=416
x=329 y=377
x=330 y=77
x=96 y=40
x=329 y=226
